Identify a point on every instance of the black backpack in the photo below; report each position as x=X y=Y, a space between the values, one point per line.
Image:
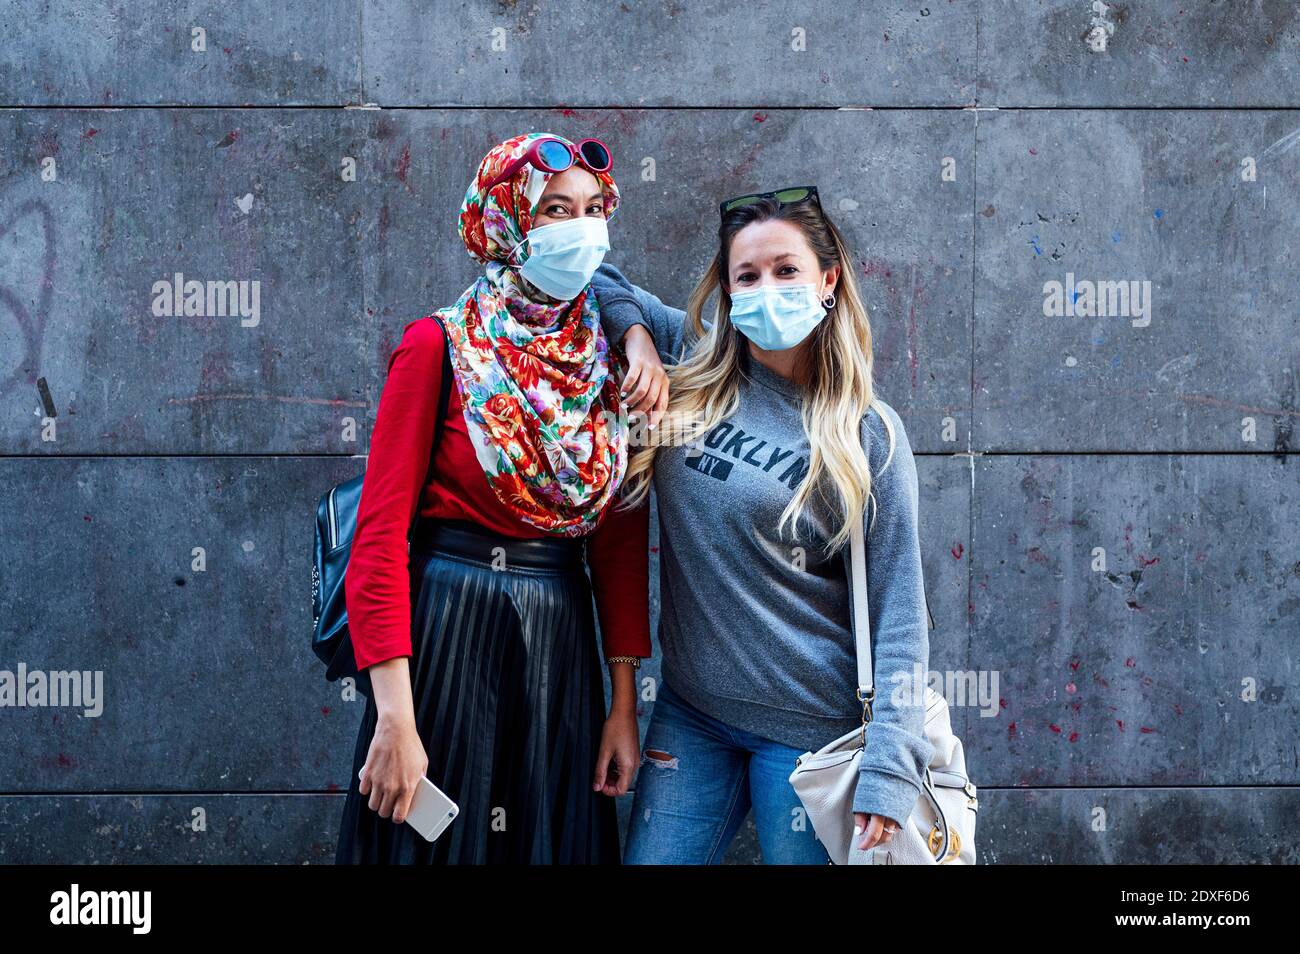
x=336 y=520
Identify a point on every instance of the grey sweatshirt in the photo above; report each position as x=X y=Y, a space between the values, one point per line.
x=748 y=635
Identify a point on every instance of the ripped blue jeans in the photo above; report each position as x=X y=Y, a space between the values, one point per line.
x=699 y=778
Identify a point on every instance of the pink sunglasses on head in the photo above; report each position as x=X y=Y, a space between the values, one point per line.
x=555 y=155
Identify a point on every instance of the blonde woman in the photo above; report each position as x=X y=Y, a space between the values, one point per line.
x=776 y=444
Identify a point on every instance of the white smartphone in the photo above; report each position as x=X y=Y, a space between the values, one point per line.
x=431 y=810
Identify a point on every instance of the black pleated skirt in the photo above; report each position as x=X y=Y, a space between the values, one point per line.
x=509 y=701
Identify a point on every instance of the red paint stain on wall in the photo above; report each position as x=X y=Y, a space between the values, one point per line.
x=404 y=163
x=742 y=168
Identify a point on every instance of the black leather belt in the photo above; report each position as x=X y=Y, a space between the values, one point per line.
x=473 y=541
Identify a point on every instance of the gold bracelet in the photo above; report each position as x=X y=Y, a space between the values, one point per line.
x=634 y=660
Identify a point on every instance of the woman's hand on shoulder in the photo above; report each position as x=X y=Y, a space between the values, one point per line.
x=645 y=389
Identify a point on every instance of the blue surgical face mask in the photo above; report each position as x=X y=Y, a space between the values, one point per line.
x=776 y=317
x=562 y=256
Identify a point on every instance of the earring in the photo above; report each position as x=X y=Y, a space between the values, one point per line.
x=829 y=301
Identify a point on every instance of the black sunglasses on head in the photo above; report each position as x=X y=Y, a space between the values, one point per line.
x=788 y=196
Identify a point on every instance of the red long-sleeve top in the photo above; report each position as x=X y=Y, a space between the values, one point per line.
x=377 y=584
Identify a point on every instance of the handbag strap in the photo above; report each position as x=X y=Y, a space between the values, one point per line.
x=860 y=614
x=861 y=617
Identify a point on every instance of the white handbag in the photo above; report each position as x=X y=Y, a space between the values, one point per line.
x=941 y=826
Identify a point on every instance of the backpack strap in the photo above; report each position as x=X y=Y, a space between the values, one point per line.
x=444 y=401
x=444 y=392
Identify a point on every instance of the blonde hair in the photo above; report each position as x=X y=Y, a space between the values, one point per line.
x=704 y=384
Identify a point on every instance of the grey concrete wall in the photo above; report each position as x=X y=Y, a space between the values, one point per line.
x=1109 y=504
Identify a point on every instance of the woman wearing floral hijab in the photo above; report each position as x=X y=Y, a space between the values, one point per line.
x=480 y=645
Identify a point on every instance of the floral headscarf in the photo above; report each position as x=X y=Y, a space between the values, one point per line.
x=539 y=381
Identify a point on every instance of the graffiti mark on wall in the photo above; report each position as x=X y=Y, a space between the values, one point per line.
x=25 y=326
